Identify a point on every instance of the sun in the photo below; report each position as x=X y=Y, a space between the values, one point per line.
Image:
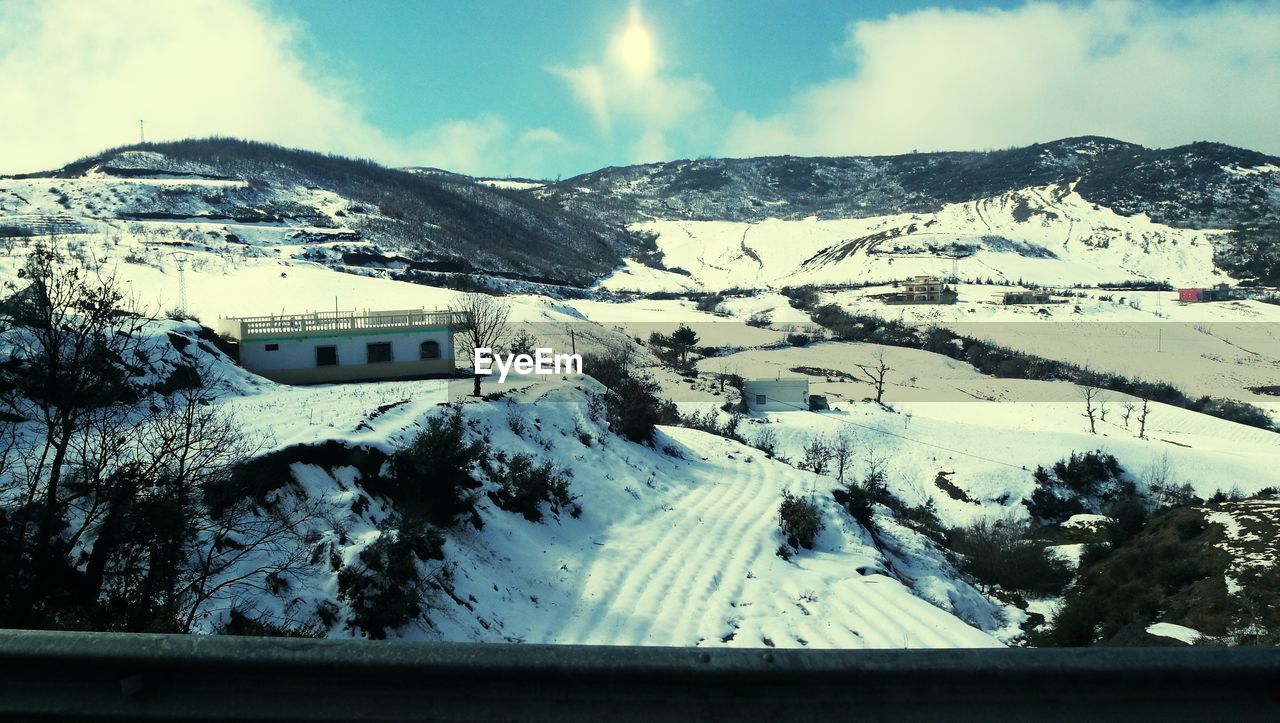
x=633 y=47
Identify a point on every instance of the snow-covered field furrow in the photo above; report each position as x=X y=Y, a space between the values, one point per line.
x=655 y=591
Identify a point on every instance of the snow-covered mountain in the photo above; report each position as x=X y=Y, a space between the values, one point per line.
x=1077 y=210
x=1202 y=185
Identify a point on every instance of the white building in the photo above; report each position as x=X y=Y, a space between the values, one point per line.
x=776 y=395
x=344 y=346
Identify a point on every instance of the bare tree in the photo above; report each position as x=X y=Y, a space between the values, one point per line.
x=482 y=324
x=876 y=465
x=766 y=440
x=68 y=344
x=817 y=455
x=1128 y=408
x=842 y=454
x=730 y=376
x=1142 y=419
x=1090 y=395
x=876 y=374
x=113 y=492
x=1159 y=475
x=229 y=541
x=246 y=547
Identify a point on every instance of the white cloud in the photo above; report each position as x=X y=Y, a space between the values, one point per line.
x=630 y=85
x=591 y=88
x=542 y=135
x=484 y=146
x=949 y=79
x=75 y=77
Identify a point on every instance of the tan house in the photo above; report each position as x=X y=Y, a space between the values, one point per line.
x=921 y=290
x=345 y=346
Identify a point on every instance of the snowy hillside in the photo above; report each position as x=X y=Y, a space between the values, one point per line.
x=675 y=545
x=1048 y=235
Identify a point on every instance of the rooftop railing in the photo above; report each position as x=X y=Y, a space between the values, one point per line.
x=322 y=322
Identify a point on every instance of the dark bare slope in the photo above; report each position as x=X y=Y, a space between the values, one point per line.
x=449 y=222
x=1199 y=185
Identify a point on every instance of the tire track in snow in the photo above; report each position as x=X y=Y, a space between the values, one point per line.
x=676 y=581
x=679 y=576
x=718 y=578
x=647 y=590
x=619 y=581
x=845 y=621
x=878 y=629
x=701 y=563
x=754 y=535
x=921 y=635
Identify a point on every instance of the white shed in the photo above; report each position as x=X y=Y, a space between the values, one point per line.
x=776 y=395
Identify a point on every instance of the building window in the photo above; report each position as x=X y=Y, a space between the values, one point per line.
x=326 y=356
x=380 y=352
x=760 y=399
x=273 y=347
x=429 y=350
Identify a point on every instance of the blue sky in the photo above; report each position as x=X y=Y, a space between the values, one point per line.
x=558 y=87
x=419 y=63
x=431 y=61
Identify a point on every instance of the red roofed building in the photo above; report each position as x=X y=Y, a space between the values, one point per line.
x=1221 y=292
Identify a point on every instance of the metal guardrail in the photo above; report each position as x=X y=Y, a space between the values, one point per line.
x=136 y=677
x=335 y=321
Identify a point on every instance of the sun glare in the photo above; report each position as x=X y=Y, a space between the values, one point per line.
x=633 y=47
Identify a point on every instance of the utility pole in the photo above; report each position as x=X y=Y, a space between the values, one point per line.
x=182 y=285
x=142 y=132
x=181 y=258
x=573 y=342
